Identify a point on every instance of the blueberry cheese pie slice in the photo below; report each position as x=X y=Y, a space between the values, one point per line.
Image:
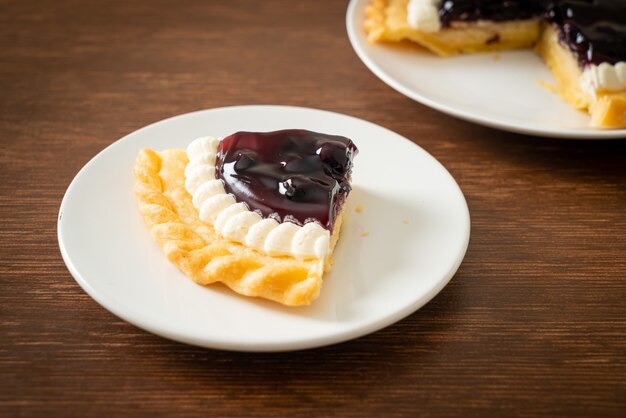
x=257 y=211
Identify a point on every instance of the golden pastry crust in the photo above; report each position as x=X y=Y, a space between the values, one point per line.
x=196 y=249
x=607 y=109
x=386 y=20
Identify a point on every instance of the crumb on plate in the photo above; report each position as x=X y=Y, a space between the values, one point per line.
x=547 y=86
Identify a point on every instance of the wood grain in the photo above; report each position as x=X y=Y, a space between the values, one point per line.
x=533 y=323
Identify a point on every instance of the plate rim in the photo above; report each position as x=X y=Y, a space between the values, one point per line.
x=388 y=79
x=334 y=337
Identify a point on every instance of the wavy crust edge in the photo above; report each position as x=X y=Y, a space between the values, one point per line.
x=290 y=283
x=375 y=20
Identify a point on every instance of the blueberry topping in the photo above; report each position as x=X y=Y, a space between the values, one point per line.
x=293 y=174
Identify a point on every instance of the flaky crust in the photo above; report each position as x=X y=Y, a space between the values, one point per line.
x=196 y=249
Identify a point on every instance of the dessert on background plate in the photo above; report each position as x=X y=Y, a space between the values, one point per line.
x=582 y=41
x=260 y=212
x=584 y=44
x=453 y=27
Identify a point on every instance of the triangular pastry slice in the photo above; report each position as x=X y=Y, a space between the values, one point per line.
x=259 y=212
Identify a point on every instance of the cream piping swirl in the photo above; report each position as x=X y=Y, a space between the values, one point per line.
x=604 y=77
x=423 y=15
x=235 y=221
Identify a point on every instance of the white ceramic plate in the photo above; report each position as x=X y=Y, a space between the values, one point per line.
x=415 y=218
x=497 y=90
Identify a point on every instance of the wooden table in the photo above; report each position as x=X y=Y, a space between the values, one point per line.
x=533 y=323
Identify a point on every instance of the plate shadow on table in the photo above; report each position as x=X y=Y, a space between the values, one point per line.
x=593 y=155
x=394 y=351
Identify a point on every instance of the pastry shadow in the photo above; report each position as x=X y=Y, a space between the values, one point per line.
x=371 y=246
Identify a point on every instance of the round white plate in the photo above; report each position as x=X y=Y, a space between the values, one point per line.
x=392 y=257
x=498 y=90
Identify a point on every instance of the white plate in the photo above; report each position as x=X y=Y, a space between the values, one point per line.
x=497 y=90
x=414 y=213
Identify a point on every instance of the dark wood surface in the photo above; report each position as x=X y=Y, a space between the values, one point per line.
x=533 y=323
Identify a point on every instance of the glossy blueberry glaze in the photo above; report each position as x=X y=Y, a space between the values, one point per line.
x=594 y=30
x=295 y=174
x=494 y=10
